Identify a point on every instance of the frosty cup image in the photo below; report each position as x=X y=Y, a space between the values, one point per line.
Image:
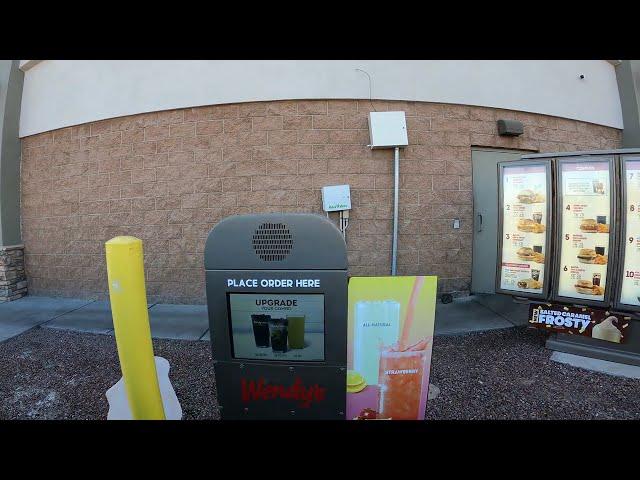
x=401 y=384
x=296 y=331
x=377 y=323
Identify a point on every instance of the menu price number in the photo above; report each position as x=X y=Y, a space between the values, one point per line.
x=629 y=274
x=516 y=212
x=577 y=208
x=514 y=241
x=576 y=243
x=634 y=208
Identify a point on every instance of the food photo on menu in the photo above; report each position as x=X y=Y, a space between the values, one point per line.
x=531 y=225
x=585 y=229
x=593 y=225
x=524 y=212
x=529 y=196
x=593 y=256
x=529 y=254
x=587 y=287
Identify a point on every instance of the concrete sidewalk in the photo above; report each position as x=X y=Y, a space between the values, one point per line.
x=186 y=322
x=190 y=322
x=478 y=313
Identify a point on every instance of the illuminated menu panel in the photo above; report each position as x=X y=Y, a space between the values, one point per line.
x=630 y=290
x=524 y=223
x=585 y=224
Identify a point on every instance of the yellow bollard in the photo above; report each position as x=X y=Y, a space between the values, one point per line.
x=125 y=271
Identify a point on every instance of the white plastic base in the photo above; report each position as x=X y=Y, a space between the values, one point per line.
x=119 y=404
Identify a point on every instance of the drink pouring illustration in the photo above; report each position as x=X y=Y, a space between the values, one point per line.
x=388 y=375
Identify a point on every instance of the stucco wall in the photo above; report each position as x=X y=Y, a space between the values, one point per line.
x=92 y=90
x=168 y=177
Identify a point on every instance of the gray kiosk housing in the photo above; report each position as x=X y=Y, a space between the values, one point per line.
x=289 y=259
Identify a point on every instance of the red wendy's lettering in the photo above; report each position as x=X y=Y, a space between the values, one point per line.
x=252 y=391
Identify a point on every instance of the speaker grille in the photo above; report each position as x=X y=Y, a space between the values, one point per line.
x=272 y=242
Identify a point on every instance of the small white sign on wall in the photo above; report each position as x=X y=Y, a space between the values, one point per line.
x=336 y=197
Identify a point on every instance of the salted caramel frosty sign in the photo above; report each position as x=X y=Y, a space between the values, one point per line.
x=584 y=233
x=630 y=289
x=525 y=219
x=589 y=322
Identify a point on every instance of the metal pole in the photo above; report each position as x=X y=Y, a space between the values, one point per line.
x=396 y=188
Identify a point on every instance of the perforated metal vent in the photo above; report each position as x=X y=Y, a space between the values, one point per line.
x=272 y=242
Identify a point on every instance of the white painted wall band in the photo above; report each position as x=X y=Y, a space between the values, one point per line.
x=62 y=93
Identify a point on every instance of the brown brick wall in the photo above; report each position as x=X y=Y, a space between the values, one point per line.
x=168 y=177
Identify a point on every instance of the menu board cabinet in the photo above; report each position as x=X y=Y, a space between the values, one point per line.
x=627 y=293
x=585 y=230
x=519 y=255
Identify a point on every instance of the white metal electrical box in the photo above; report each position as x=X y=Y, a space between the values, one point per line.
x=336 y=197
x=388 y=129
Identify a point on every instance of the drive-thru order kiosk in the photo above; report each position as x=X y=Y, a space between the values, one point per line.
x=277 y=299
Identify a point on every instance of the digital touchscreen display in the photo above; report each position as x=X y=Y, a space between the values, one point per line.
x=277 y=326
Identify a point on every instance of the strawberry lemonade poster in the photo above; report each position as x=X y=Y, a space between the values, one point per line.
x=390 y=338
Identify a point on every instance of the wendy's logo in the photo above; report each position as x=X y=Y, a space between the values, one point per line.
x=259 y=391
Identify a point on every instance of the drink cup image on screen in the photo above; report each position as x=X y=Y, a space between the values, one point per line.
x=296 y=331
x=279 y=331
x=261 y=330
x=377 y=324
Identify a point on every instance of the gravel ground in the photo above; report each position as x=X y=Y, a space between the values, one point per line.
x=503 y=374
x=508 y=374
x=53 y=374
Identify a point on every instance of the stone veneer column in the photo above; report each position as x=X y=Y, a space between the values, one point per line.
x=13 y=281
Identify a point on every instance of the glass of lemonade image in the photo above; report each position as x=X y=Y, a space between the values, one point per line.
x=401 y=377
x=296 y=331
x=261 y=330
x=377 y=324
